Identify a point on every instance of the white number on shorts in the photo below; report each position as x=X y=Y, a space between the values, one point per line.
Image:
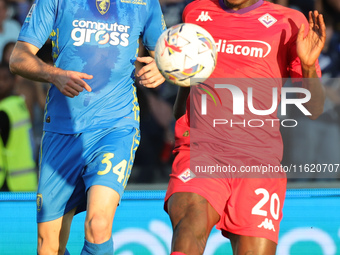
x=118 y=169
x=275 y=213
x=274 y=201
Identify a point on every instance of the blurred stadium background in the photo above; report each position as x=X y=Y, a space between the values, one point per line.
x=310 y=225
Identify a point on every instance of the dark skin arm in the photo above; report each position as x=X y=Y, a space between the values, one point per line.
x=308 y=49
x=180 y=102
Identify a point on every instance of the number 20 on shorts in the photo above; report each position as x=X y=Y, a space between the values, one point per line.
x=118 y=169
x=274 y=204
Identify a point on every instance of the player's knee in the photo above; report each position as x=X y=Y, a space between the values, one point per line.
x=192 y=219
x=99 y=227
x=193 y=208
x=45 y=247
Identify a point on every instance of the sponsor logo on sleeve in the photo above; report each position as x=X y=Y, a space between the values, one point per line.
x=29 y=15
x=39 y=202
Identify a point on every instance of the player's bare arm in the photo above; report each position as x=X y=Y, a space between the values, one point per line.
x=24 y=62
x=180 y=105
x=308 y=50
x=149 y=74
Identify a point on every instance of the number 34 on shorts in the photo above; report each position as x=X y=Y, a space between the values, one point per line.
x=119 y=169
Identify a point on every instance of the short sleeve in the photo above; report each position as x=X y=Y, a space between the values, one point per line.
x=39 y=22
x=154 y=26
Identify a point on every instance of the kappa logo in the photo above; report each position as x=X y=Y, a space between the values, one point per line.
x=267 y=20
x=267 y=224
x=204 y=16
x=187 y=175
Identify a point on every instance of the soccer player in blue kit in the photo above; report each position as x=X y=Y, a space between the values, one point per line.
x=91 y=120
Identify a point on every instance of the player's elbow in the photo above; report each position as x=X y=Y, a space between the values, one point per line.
x=316 y=113
x=314 y=116
x=14 y=64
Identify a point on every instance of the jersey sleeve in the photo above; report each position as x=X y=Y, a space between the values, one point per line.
x=39 y=22
x=154 y=26
x=295 y=70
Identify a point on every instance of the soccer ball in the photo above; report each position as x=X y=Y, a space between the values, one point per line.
x=186 y=54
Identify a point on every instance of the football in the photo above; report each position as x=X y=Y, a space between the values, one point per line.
x=186 y=54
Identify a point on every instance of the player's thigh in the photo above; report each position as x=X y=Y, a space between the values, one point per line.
x=251 y=245
x=61 y=187
x=103 y=201
x=110 y=157
x=192 y=208
x=254 y=208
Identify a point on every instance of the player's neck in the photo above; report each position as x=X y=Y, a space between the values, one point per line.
x=238 y=4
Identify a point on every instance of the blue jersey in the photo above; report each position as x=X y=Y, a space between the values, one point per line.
x=100 y=38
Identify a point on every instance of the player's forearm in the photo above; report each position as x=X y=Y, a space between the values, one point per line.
x=180 y=102
x=31 y=67
x=312 y=82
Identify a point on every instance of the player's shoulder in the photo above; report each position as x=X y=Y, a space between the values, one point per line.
x=199 y=5
x=288 y=13
x=194 y=3
x=152 y=1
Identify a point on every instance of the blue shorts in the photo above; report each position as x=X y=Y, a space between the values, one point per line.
x=71 y=164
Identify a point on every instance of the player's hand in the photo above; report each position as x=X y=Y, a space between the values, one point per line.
x=149 y=75
x=309 y=48
x=71 y=83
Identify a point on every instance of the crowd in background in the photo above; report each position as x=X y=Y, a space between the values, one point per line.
x=318 y=144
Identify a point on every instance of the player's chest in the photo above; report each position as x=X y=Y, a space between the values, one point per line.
x=102 y=21
x=249 y=38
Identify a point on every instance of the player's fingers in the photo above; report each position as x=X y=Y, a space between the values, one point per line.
x=153 y=81
x=80 y=84
x=301 y=33
x=153 y=84
x=68 y=94
x=140 y=72
x=322 y=27
x=70 y=89
x=83 y=83
x=87 y=87
x=310 y=19
x=86 y=76
x=143 y=71
x=150 y=65
x=152 y=72
x=145 y=80
x=145 y=60
x=74 y=88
